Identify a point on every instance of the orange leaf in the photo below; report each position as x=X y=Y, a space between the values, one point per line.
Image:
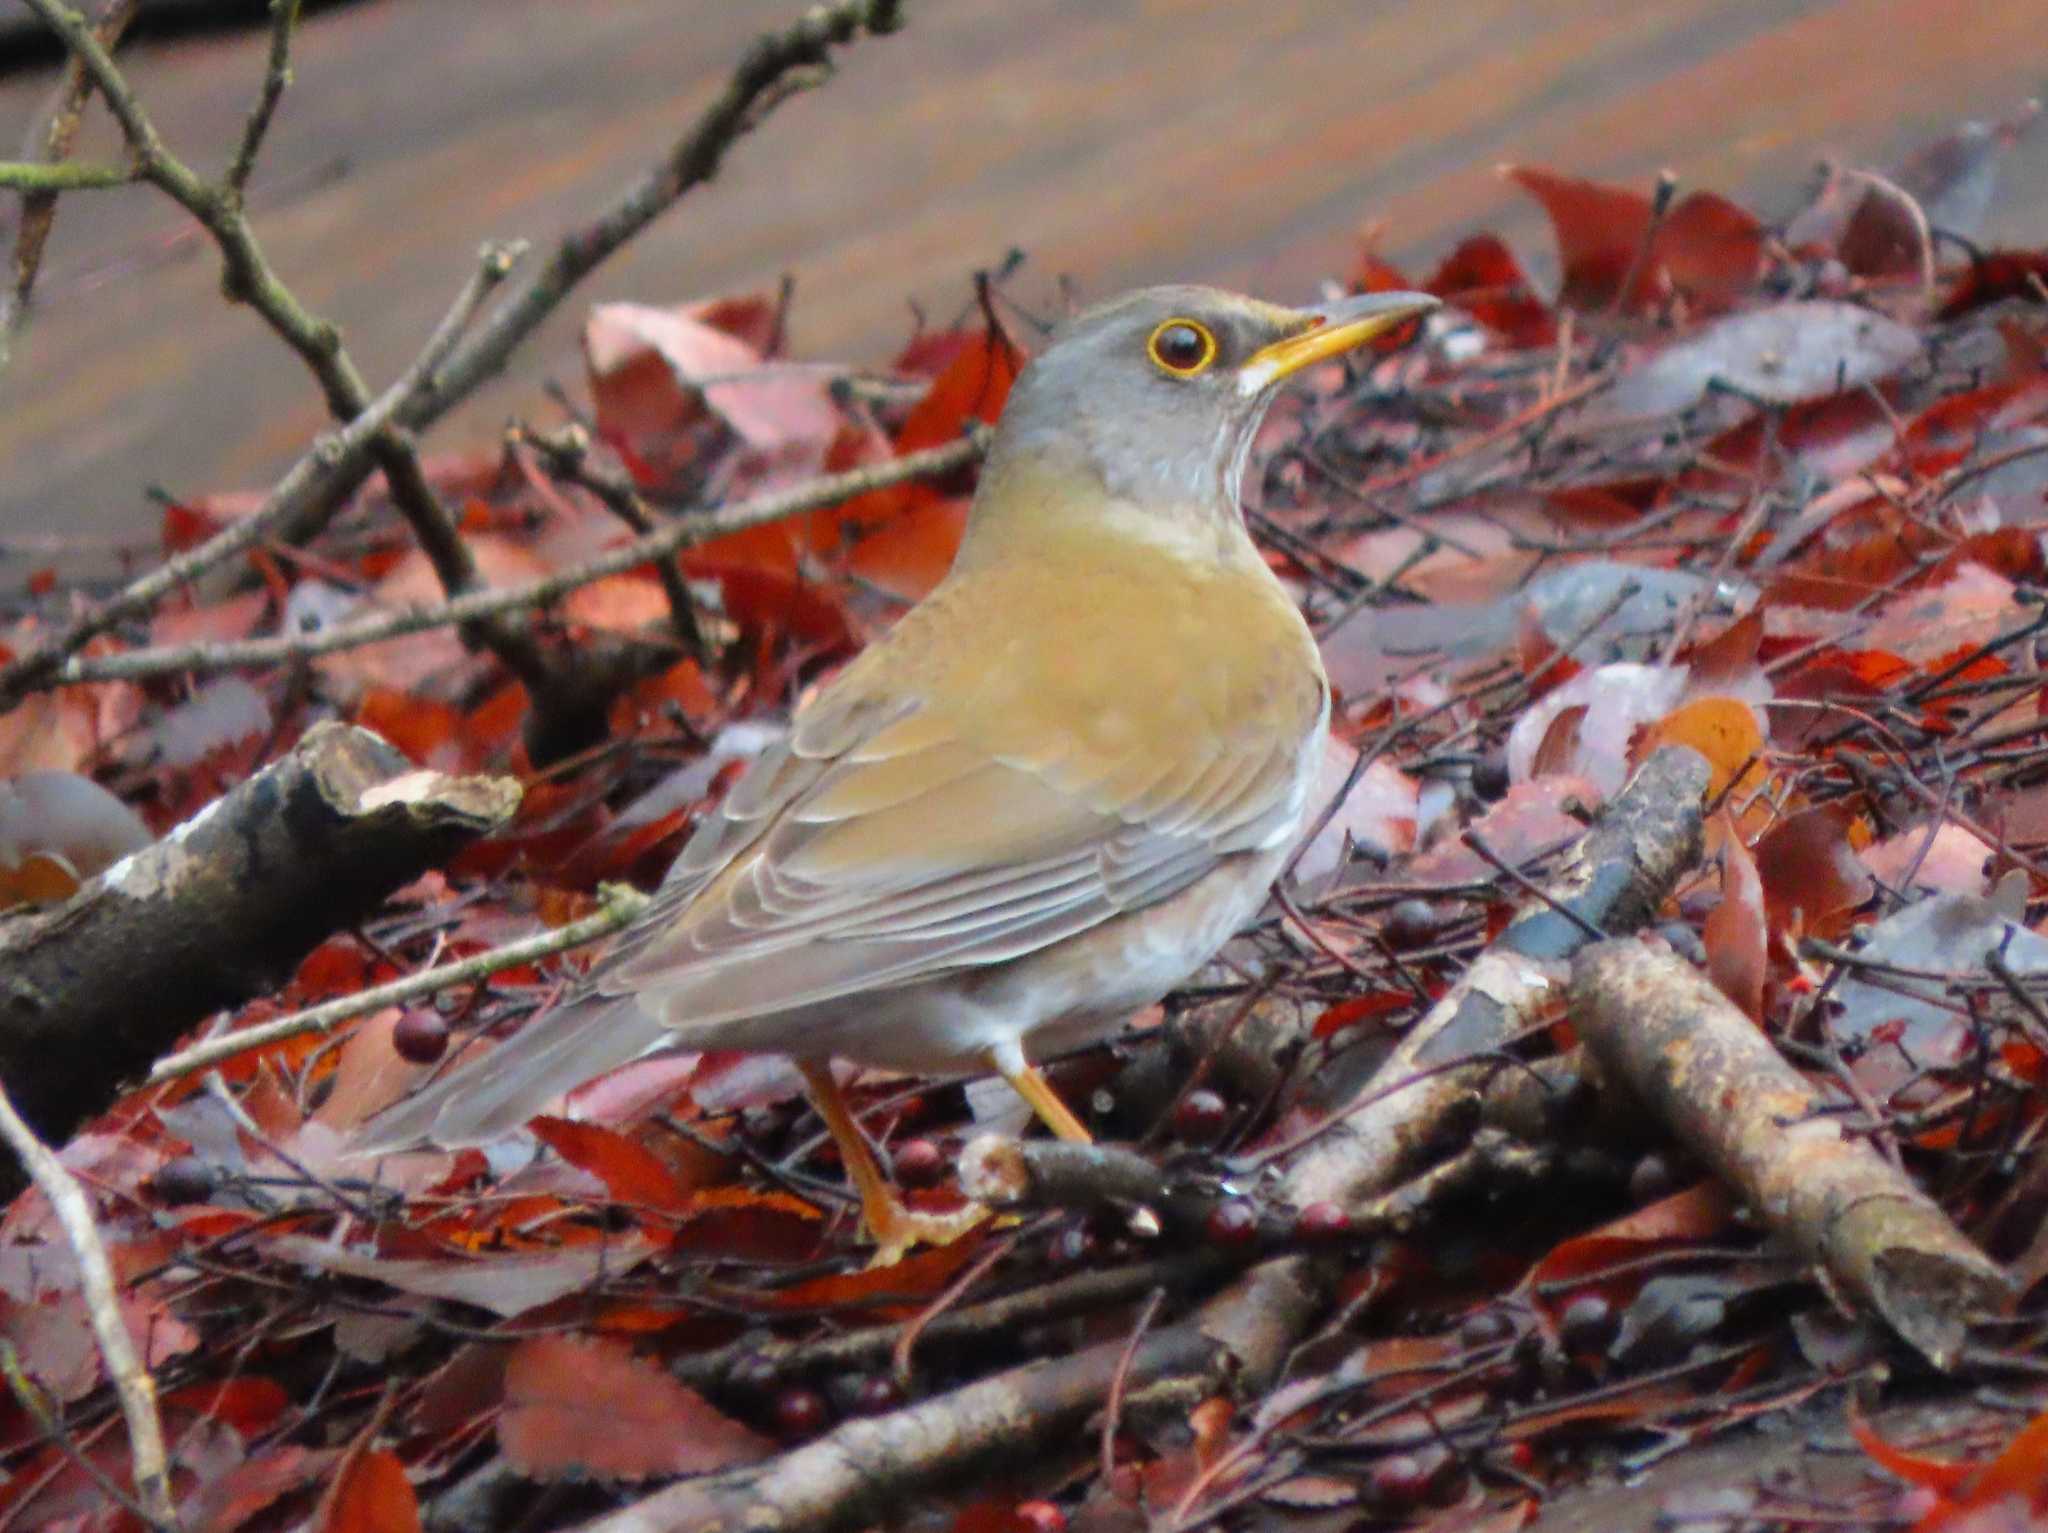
x=1722 y=729
x=1939 y=1475
x=1699 y=1213
x=373 y=1495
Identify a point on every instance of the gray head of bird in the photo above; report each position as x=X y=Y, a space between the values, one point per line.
x=1151 y=400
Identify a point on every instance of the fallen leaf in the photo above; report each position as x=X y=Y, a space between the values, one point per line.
x=576 y=1407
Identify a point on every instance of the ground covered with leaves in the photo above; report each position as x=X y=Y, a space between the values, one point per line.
x=1772 y=492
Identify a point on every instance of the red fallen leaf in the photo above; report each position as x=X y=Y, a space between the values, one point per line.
x=1730 y=655
x=755 y=318
x=1735 y=936
x=248 y=1404
x=227 y=1503
x=882 y=1292
x=770 y=605
x=1482 y=277
x=1699 y=1213
x=915 y=528
x=632 y=1174
x=1707 y=249
x=1372 y=272
x=372 y=1495
x=41 y=582
x=184 y=527
x=1810 y=872
x=657 y=374
x=423 y=727
x=1559 y=747
x=1939 y=1475
x=1887 y=234
x=575 y=1407
x=1361 y=1008
x=1996 y=275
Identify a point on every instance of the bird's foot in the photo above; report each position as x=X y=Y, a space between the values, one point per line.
x=895 y=1229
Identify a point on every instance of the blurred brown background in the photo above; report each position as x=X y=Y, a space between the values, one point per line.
x=1115 y=141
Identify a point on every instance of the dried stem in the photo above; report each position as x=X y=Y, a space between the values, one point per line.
x=207 y=658
x=621 y=905
x=132 y=1383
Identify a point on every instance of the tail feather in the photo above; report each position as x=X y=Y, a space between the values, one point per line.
x=502 y=1088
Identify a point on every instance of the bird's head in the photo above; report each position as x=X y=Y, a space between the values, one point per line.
x=1149 y=403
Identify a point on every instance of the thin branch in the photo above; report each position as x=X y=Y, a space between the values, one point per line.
x=207 y=658
x=771 y=70
x=51 y=143
x=248 y=277
x=566 y=455
x=277 y=75
x=621 y=905
x=299 y=486
x=65 y=176
x=132 y=1383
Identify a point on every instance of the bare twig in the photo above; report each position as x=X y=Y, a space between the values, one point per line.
x=65 y=176
x=566 y=455
x=132 y=1383
x=771 y=70
x=208 y=658
x=35 y=669
x=51 y=144
x=621 y=905
x=277 y=75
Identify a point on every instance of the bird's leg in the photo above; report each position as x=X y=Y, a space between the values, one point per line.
x=893 y=1228
x=1035 y=1089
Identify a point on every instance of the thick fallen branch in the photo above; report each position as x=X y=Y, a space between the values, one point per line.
x=1422 y=1101
x=1694 y=1059
x=867 y=1472
x=95 y=989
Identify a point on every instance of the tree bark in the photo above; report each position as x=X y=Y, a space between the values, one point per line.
x=215 y=911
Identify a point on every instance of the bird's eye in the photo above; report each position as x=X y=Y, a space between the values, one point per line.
x=1182 y=347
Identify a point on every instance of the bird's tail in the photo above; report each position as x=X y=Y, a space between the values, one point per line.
x=500 y=1089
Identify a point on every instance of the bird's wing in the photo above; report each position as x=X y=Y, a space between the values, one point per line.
x=929 y=815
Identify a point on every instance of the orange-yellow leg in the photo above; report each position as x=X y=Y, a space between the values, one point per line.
x=893 y=1228
x=1025 y=1080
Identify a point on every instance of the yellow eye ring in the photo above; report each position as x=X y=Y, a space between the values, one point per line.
x=1181 y=347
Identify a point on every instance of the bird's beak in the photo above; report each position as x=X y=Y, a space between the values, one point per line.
x=1333 y=329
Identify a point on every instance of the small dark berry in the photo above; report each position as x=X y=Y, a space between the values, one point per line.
x=1411 y=923
x=1321 y=1222
x=919 y=1163
x=877 y=1395
x=1399 y=1481
x=187 y=1179
x=1199 y=1117
x=1587 y=1324
x=1072 y=1246
x=1410 y=1478
x=1652 y=1178
x=1233 y=1223
x=1486 y=1328
x=800 y=1413
x=1040 y=1517
x=420 y=1037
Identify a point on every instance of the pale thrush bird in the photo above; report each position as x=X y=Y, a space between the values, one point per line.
x=1046 y=797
